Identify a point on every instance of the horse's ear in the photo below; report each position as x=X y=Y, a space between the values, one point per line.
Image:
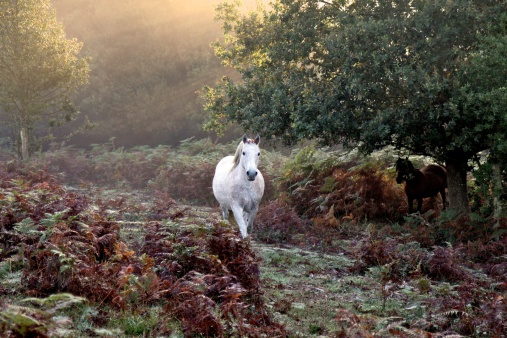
x=257 y=139
x=245 y=138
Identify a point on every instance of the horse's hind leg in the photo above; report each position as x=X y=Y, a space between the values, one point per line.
x=246 y=218
x=444 y=201
x=225 y=214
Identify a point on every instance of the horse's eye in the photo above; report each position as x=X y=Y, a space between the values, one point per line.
x=244 y=153
x=259 y=154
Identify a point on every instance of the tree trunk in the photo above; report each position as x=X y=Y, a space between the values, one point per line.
x=497 y=191
x=23 y=134
x=457 y=184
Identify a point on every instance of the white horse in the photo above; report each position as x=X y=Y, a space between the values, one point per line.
x=238 y=185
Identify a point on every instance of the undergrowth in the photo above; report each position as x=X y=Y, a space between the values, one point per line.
x=184 y=172
x=431 y=274
x=207 y=280
x=326 y=186
x=354 y=207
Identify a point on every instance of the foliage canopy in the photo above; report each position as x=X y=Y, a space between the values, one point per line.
x=404 y=73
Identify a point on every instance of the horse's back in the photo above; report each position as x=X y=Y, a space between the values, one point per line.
x=436 y=174
x=259 y=186
x=225 y=165
x=223 y=169
x=435 y=168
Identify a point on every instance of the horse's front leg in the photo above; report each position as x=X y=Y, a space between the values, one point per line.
x=419 y=204
x=251 y=218
x=238 y=215
x=410 y=205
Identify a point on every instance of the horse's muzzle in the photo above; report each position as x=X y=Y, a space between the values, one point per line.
x=252 y=174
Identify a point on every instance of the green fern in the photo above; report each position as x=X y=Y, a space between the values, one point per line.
x=27 y=227
x=55 y=302
x=49 y=222
x=26 y=321
x=21 y=320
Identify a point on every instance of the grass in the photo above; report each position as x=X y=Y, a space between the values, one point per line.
x=138 y=324
x=308 y=289
x=304 y=287
x=311 y=292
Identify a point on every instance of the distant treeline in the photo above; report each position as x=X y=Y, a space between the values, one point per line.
x=148 y=61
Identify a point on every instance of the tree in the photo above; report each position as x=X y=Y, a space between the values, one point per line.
x=364 y=73
x=39 y=69
x=485 y=92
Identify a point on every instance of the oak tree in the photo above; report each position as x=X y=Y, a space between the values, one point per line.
x=367 y=73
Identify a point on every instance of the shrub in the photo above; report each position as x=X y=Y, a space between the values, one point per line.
x=316 y=183
x=185 y=173
x=211 y=281
x=276 y=222
x=104 y=165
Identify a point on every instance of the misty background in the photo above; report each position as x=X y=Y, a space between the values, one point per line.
x=148 y=61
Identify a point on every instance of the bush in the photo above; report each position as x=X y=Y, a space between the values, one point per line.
x=185 y=173
x=106 y=166
x=317 y=183
x=278 y=223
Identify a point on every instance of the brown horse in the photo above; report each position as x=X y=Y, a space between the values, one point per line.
x=421 y=183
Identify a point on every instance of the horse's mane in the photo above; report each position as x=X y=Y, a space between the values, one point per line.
x=411 y=166
x=237 y=155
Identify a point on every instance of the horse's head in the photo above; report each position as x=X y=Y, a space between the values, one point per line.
x=405 y=170
x=250 y=156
